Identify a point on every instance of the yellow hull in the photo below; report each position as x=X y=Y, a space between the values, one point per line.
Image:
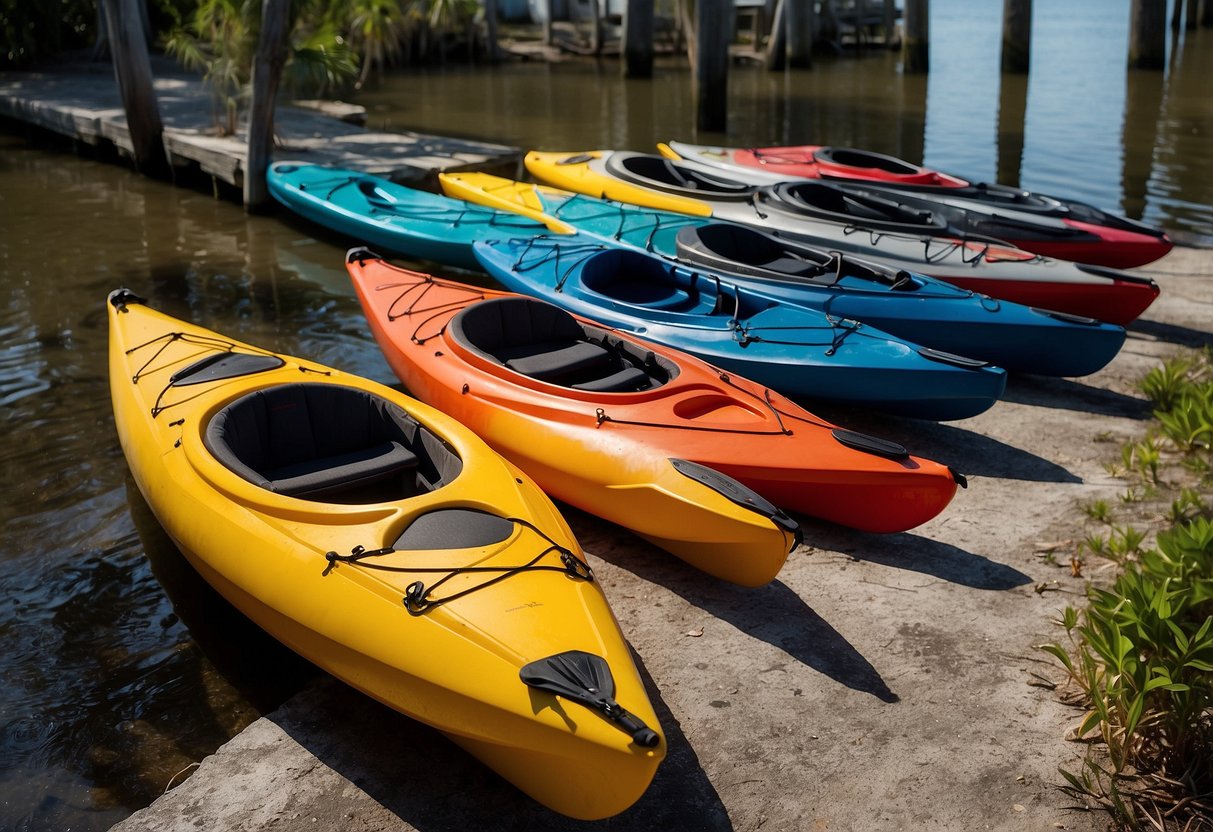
x=454 y=661
x=577 y=172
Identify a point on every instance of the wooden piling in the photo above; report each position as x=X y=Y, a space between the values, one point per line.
x=711 y=76
x=133 y=70
x=1147 y=34
x=1193 y=13
x=798 y=18
x=915 y=43
x=267 y=72
x=777 y=43
x=1206 y=13
x=1016 y=35
x=890 y=23
x=638 y=39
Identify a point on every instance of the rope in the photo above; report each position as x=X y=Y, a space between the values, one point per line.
x=438 y=310
x=607 y=210
x=216 y=344
x=417 y=598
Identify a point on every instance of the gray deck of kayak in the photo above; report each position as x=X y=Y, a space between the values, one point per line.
x=81 y=101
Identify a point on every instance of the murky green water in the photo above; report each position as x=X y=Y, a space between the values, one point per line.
x=120 y=668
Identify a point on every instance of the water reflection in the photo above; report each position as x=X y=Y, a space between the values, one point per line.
x=1079 y=125
x=107 y=694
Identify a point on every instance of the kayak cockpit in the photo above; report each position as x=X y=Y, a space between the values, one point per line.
x=546 y=343
x=329 y=443
x=668 y=175
x=738 y=249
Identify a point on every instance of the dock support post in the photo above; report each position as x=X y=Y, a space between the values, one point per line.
x=638 y=39
x=133 y=70
x=1147 y=34
x=799 y=18
x=777 y=42
x=713 y=29
x=267 y=71
x=1016 y=35
x=915 y=43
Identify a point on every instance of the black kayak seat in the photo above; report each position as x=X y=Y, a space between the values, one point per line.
x=629 y=378
x=554 y=359
x=748 y=251
x=312 y=440
x=530 y=337
x=791 y=266
x=544 y=342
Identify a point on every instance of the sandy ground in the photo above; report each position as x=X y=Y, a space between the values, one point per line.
x=882 y=683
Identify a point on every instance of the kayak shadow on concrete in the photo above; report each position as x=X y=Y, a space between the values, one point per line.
x=1067 y=394
x=773 y=613
x=1171 y=333
x=915 y=553
x=405 y=768
x=967 y=452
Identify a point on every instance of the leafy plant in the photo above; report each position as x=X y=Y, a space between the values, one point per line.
x=1163 y=384
x=220 y=41
x=1099 y=511
x=1124 y=543
x=1141 y=653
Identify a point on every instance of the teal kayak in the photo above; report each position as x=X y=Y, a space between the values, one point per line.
x=391 y=217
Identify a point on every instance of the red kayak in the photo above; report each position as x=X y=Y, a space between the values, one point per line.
x=1048 y=225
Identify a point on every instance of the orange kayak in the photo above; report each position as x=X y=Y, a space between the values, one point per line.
x=582 y=433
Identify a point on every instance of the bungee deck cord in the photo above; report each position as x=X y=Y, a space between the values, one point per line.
x=549 y=250
x=417 y=598
x=215 y=345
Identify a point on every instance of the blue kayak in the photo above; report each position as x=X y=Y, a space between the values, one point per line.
x=793 y=349
x=390 y=217
x=908 y=305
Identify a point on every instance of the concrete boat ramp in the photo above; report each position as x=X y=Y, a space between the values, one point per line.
x=82 y=102
x=883 y=682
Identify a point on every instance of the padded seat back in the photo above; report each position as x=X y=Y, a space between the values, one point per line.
x=502 y=325
x=312 y=439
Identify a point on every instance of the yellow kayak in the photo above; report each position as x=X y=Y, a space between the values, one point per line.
x=584 y=174
x=390 y=546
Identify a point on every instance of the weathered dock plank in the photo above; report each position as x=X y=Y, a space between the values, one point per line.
x=84 y=104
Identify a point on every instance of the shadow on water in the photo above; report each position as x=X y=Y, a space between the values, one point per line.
x=423 y=778
x=259 y=667
x=773 y=613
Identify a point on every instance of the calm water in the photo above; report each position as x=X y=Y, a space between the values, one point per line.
x=1079 y=125
x=120 y=667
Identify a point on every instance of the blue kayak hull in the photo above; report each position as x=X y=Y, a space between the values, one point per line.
x=795 y=350
x=923 y=310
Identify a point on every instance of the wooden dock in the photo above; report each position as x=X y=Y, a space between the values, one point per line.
x=82 y=102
